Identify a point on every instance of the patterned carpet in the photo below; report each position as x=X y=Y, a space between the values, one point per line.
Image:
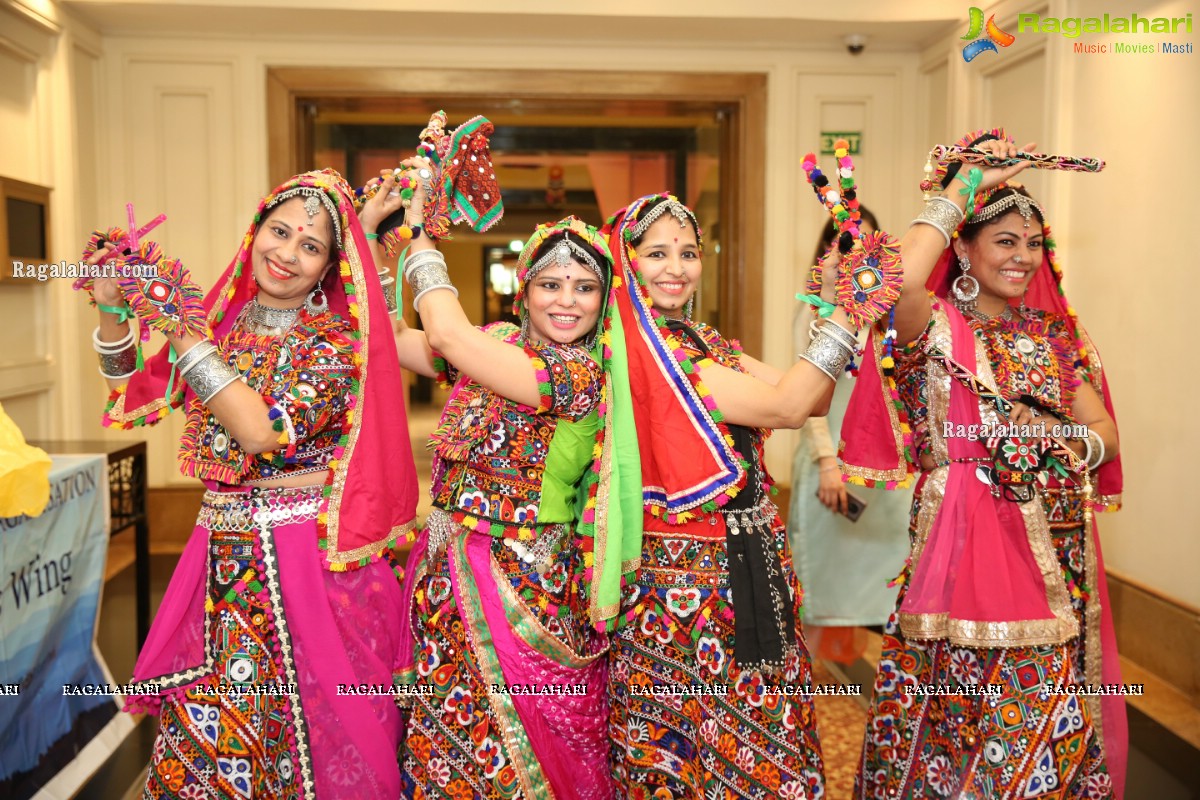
x=840 y=722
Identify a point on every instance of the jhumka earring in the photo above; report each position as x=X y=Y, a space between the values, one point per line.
x=965 y=287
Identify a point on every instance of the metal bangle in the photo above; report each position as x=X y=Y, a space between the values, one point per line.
x=421 y=259
x=118 y=346
x=193 y=355
x=119 y=365
x=942 y=214
x=1099 y=453
x=210 y=375
x=428 y=289
x=388 y=284
x=428 y=276
x=827 y=354
x=843 y=335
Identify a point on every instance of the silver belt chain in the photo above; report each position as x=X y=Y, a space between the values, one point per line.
x=264 y=508
x=762 y=515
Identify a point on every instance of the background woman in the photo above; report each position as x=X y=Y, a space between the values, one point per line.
x=715 y=603
x=495 y=577
x=845 y=565
x=1005 y=584
x=280 y=588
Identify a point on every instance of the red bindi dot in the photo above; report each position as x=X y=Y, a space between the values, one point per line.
x=299 y=227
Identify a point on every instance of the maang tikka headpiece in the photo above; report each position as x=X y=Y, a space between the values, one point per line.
x=314 y=198
x=561 y=255
x=670 y=206
x=1025 y=207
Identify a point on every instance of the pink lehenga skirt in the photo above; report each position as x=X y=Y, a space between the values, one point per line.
x=509 y=678
x=265 y=661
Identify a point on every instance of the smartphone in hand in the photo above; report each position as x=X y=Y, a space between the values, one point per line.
x=855 y=506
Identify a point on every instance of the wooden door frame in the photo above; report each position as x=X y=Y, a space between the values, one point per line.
x=742 y=96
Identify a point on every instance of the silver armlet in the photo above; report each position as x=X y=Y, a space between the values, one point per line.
x=828 y=354
x=209 y=375
x=117 y=359
x=943 y=214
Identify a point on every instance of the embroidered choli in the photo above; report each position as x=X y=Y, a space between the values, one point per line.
x=490 y=452
x=303 y=376
x=1031 y=354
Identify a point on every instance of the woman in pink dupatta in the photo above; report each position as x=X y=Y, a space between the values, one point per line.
x=284 y=610
x=1005 y=585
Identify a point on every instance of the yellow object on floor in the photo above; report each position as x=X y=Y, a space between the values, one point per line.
x=24 y=473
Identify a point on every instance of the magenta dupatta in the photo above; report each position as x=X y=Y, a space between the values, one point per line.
x=878 y=450
x=374 y=473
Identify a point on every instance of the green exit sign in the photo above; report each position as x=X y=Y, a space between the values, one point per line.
x=853 y=138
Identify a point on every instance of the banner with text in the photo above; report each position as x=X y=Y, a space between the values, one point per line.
x=51 y=576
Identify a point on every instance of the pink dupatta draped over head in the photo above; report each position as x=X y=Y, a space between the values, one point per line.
x=370 y=494
x=970 y=568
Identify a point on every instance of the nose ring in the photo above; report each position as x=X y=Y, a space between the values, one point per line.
x=295 y=259
x=1017 y=259
x=574 y=302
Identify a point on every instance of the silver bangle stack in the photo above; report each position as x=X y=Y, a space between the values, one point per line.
x=205 y=371
x=117 y=359
x=830 y=348
x=425 y=271
x=943 y=214
x=389 y=290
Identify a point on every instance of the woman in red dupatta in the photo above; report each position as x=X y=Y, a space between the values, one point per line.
x=1005 y=583
x=710 y=677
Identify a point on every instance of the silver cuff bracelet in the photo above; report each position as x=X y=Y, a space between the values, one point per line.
x=843 y=335
x=941 y=213
x=426 y=277
x=421 y=259
x=827 y=354
x=388 y=284
x=209 y=375
x=121 y=364
x=193 y=355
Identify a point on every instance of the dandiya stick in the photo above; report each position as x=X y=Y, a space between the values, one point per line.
x=945 y=153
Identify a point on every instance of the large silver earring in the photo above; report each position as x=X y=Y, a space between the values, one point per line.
x=965 y=287
x=1023 y=308
x=690 y=306
x=525 y=328
x=311 y=303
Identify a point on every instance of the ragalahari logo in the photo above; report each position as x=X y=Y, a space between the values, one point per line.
x=994 y=37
